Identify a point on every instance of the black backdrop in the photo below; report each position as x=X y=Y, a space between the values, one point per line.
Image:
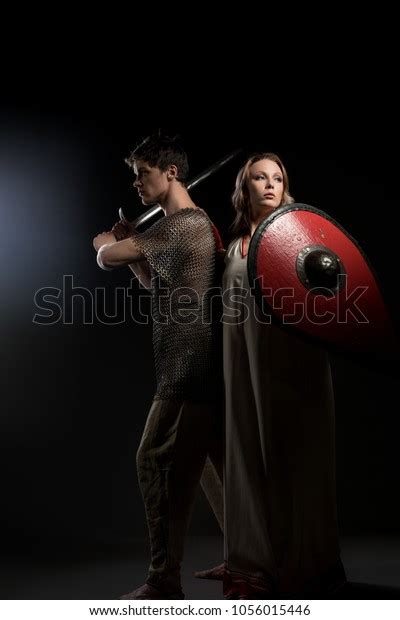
x=75 y=393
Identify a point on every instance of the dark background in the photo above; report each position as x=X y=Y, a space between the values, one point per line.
x=75 y=396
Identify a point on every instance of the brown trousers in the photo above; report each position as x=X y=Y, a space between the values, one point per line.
x=181 y=444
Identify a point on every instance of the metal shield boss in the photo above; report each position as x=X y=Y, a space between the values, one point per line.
x=312 y=276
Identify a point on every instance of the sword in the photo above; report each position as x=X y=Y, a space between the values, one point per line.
x=198 y=179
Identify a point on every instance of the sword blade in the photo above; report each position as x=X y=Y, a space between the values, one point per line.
x=155 y=209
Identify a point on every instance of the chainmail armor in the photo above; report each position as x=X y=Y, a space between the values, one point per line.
x=181 y=251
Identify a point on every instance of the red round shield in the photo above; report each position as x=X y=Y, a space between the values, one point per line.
x=314 y=278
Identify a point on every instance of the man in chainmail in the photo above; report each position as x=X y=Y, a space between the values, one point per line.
x=176 y=257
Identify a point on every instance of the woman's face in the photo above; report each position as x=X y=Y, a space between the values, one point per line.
x=265 y=185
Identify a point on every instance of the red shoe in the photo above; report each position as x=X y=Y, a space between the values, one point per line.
x=239 y=587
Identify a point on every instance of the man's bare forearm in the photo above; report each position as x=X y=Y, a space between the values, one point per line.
x=118 y=254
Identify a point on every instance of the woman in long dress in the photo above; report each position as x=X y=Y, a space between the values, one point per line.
x=281 y=533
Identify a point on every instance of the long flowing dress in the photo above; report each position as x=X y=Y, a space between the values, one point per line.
x=281 y=532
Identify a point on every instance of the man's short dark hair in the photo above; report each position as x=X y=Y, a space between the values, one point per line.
x=162 y=151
